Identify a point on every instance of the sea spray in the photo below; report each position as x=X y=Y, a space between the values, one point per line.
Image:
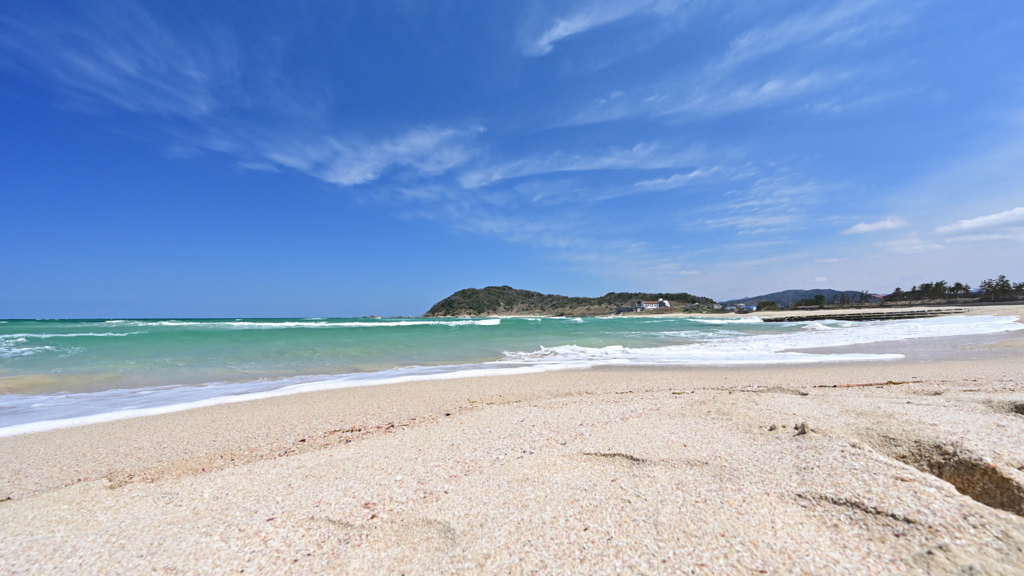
x=84 y=375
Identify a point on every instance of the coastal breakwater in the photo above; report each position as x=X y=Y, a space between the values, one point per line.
x=865 y=316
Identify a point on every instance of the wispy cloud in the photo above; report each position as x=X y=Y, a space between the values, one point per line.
x=730 y=83
x=678 y=180
x=436 y=166
x=704 y=97
x=770 y=204
x=841 y=21
x=118 y=54
x=714 y=98
x=578 y=244
x=890 y=223
x=776 y=193
x=991 y=220
x=641 y=156
x=426 y=151
x=759 y=223
x=1009 y=234
x=592 y=15
x=909 y=245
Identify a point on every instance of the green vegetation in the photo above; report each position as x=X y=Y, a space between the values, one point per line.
x=993 y=289
x=940 y=290
x=505 y=300
x=816 y=302
x=789 y=298
x=1001 y=289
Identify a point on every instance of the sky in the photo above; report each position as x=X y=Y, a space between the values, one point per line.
x=342 y=158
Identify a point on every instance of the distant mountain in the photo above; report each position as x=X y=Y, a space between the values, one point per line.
x=507 y=301
x=787 y=298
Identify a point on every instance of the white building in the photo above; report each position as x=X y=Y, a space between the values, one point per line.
x=661 y=303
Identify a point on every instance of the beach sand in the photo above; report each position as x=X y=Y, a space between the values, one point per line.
x=970 y=309
x=910 y=466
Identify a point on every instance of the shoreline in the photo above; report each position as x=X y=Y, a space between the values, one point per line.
x=998 y=351
x=874 y=351
x=509 y=473
x=274 y=421
x=974 y=309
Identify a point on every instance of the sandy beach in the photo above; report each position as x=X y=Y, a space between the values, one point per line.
x=969 y=309
x=411 y=288
x=912 y=466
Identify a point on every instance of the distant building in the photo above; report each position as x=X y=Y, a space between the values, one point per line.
x=645 y=305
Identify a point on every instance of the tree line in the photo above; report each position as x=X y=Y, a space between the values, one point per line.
x=993 y=289
x=837 y=300
x=497 y=300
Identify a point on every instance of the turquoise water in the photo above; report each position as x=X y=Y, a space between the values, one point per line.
x=80 y=356
x=74 y=370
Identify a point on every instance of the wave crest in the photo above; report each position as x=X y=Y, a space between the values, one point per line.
x=256 y=325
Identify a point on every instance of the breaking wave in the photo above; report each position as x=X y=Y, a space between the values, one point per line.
x=747 y=320
x=255 y=325
x=32 y=413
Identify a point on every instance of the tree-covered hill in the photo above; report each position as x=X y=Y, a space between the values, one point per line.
x=505 y=300
x=788 y=298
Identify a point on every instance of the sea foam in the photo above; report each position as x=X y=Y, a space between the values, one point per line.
x=23 y=414
x=746 y=320
x=254 y=325
x=775 y=348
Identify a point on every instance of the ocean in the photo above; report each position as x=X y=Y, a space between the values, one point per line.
x=59 y=373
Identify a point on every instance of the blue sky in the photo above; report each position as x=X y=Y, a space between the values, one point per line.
x=346 y=158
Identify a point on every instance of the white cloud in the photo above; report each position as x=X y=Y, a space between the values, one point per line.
x=756 y=223
x=829 y=260
x=258 y=166
x=909 y=245
x=890 y=223
x=724 y=86
x=426 y=151
x=1007 y=234
x=840 y=20
x=678 y=180
x=640 y=156
x=997 y=219
x=820 y=279
x=569 y=239
x=117 y=53
x=715 y=97
x=594 y=15
x=771 y=204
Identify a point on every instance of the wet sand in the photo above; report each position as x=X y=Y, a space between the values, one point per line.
x=912 y=466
